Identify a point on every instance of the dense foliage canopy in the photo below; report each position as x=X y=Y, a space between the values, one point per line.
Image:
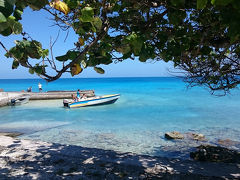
x=201 y=37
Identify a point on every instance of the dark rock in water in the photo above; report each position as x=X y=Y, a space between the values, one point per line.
x=215 y=154
x=195 y=136
x=11 y=134
x=228 y=142
x=173 y=135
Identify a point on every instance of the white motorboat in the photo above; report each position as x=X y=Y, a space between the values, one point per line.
x=91 y=101
x=19 y=101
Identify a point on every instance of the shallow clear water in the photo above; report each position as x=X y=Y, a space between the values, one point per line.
x=148 y=108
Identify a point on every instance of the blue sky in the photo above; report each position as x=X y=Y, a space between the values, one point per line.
x=39 y=26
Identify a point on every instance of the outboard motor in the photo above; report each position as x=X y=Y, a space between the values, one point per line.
x=65 y=103
x=13 y=102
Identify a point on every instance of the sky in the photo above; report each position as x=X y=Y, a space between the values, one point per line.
x=40 y=27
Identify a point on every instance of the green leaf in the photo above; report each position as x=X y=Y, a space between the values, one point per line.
x=146 y=53
x=136 y=43
x=87 y=14
x=15 y=26
x=23 y=61
x=176 y=17
x=93 y=28
x=221 y=2
x=131 y=37
x=143 y=58
x=137 y=46
x=72 y=54
x=87 y=26
x=3 y=26
x=126 y=49
x=11 y=2
x=38 y=69
x=8 y=54
x=45 y=53
x=80 y=31
x=116 y=7
x=20 y=5
x=93 y=60
x=99 y=70
x=76 y=25
x=2 y=18
x=71 y=3
x=69 y=55
x=177 y=2
x=15 y=64
x=7 y=32
x=32 y=48
x=6 y=7
x=38 y=4
x=18 y=54
x=205 y=50
x=97 y=22
x=31 y=71
x=62 y=58
x=237 y=51
x=236 y=5
x=103 y=58
x=106 y=46
x=201 y=4
x=17 y=14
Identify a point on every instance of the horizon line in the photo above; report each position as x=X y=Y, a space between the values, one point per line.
x=98 y=77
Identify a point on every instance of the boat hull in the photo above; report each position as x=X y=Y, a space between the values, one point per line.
x=95 y=101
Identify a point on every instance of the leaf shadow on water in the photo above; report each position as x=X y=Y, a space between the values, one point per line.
x=55 y=161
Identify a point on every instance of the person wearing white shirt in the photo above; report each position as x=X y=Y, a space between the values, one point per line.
x=40 y=87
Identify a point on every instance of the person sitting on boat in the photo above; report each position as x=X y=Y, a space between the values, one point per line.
x=78 y=94
x=84 y=96
x=74 y=98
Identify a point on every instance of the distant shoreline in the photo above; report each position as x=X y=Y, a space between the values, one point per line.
x=92 y=78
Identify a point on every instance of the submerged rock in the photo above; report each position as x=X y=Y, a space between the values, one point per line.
x=11 y=134
x=215 y=154
x=174 y=135
x=195 y=136
x=228 y=142
x=188 y=136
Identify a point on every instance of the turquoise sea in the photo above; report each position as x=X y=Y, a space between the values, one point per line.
x=148 y=107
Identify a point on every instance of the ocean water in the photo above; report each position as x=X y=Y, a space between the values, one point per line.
x=137 y=122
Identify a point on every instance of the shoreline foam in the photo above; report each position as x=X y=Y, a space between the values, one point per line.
x=23 y=159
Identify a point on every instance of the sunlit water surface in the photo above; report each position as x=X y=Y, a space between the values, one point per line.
x=137 y=122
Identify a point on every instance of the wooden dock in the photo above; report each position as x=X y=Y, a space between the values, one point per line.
x=5 y=97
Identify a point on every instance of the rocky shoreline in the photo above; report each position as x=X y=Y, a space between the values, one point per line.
x=27 y=159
